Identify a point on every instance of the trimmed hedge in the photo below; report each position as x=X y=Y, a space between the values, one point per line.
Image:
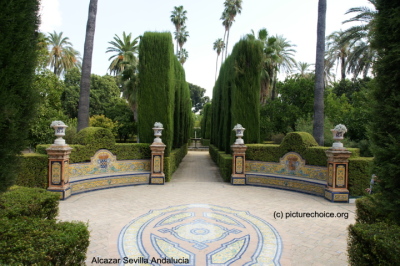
x=33 y=170
x=30 y=235
x=97 y=137
x=224 y=162
x=359 y=175
x=236 y=96
x=297 y=142
x=172 y=162
x=205 y=142
x=368 y=211
x=30 y=241
x=374 y=244
x=206 y=121
x=163 y=94
x=29 y=202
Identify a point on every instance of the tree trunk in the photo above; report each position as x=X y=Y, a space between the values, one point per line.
x=227 y=40
x=216 y=68
x=223 y=48
x=83 y=111
x=343 y=67
x=318 y=126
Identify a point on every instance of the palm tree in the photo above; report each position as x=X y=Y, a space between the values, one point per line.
x=303 y=67
x=219 y=45
x=362 y=55
x=232 y=8
x=181 y=37
x=83 y=111
x=129 y=78
x=318 y=124
x=125 y=51
x=227 y=24
x=61 y=55
x=338 y=50
x=179 y=18
x=278 y=56
x=182 y=56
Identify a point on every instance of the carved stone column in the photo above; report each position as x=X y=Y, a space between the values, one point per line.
x=58 y=170
x=238 y=164
x=157 y=176
x=338 y=180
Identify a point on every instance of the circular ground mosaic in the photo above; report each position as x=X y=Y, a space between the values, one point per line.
x=199 y=234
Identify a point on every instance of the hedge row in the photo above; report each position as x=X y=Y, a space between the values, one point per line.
x=172 y=162
x=206 y=121
x=236 y=96
x=164 y=94
x=359 y=175
x=224 y=162
x=374 y=244
x=205 y=142
x=30 y=235
x=33 y=170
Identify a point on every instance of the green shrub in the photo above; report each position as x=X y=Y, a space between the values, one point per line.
x=205 y=142
x=374 y=244
x=368 y=211
x=263 y=152
x=96 y=137
x=359 y=175
x=19 y=22
x=29 y=202
x=224 y=162
x=297 y=142
x=33 y=170
x=132 y=151
x=30 y=241
x=172 y=162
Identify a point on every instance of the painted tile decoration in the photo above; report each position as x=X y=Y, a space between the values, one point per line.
x=315 y=188
x=107 y=182
x=56 y=173
x=239 y=165
x=340 y=175
x=104 y=162
x=290 y=164
x=201 y=234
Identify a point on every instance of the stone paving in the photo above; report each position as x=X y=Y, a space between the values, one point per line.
x=304 y=241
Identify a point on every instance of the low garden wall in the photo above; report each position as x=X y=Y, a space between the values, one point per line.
x=269 y=157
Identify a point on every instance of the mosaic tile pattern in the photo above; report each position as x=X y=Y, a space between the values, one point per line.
x=290 y=164
x=103 y=163
x=201 y=234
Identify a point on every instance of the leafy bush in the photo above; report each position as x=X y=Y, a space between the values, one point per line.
x=368 y=211
x=224 y=162
x=298 y=142
x=33 y=170
x=96 y=137
x=374 y=244
x=359 y=175
x=30 y=202
x=205 y=142
x=30 y=241
x=172 y=162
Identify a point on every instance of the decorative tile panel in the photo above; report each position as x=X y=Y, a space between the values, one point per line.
x=316 y=188
x=103 y=163
x=56 y=173
x=291 y=164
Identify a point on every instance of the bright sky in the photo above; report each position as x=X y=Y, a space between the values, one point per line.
x=296 y=20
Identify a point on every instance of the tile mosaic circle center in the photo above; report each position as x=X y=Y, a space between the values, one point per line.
x=199 y=234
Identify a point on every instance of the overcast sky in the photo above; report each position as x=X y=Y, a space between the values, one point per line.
x=296 y=20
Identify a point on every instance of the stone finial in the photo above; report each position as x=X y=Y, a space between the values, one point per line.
x=338 y=134
x=59 y=128
x=239 y=133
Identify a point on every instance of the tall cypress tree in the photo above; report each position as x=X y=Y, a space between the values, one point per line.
x=18 y=26
x=385 y=126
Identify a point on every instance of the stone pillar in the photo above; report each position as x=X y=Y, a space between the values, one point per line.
x=157 y=176
x=338 y=180
x=58 y=170
x=238 y=164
